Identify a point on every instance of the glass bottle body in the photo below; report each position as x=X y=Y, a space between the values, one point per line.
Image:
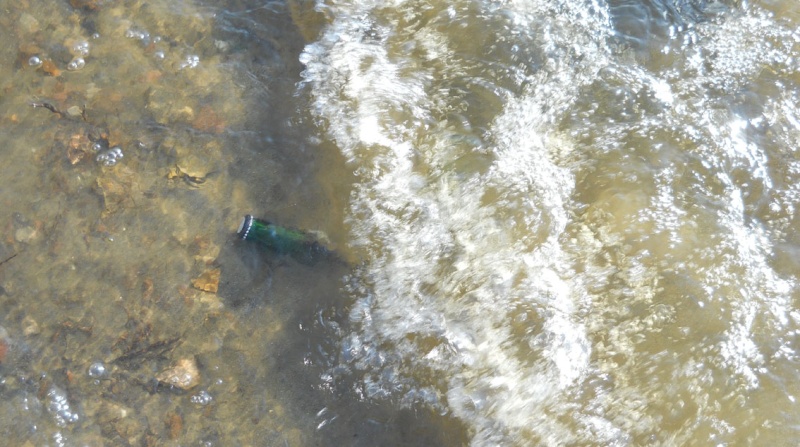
x=285 y=241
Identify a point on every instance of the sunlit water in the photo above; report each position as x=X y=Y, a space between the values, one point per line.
x=563 y=223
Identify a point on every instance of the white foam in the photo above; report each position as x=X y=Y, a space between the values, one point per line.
x=489 y=291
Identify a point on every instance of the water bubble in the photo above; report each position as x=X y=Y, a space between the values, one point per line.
x=76 y=64
x=97 y=370
x=138 y=34
x=97 y=147
x=80 y=48
x=35 y=61
x=191 y=61
x=58 y=405
x=110 y=157
x=202 y=398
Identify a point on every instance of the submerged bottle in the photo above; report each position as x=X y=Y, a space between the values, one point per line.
x=300 y=245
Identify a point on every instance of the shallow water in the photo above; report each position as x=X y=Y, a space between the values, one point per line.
x=98 y=293
x=562 y=223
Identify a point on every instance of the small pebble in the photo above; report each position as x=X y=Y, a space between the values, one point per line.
x=30 y=326
x=74 y=111
x=25 y=234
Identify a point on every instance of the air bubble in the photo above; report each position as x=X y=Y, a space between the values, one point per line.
x=110 y=157
x=97 y=370
x=58 y=405
x=138 y=34
x=160 y=55
x=80 y=48
x=35 y=61
x=202 y=398
x=191 y=61
x=76 y=64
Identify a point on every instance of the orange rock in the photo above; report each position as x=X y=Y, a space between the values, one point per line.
x=208 y=120
x=152 y=76
x=50 y=68
x=174 y=423
x=208 y=281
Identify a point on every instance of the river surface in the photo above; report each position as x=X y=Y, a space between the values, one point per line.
x=556 y=223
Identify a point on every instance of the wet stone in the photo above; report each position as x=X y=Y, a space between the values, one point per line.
x=30 y=326
x=208 y=281
x=75 y=111
x=49 y=67
x=116 y=187
x=183 y=375
x=192 y=168
x=165 y=105
x=25 y=234
x=28 y=23
x=4 y=344
x=174 y=423
x=90 y=5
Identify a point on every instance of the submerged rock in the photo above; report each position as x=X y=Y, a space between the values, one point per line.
x=208 y=281
x=184 y=374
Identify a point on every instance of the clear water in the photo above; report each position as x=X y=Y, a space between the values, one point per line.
x=564 y=223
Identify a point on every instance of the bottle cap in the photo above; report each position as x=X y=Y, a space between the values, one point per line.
x=244 y=227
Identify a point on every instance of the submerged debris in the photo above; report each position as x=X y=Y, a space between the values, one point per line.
x=195 y=178
x=152 y=350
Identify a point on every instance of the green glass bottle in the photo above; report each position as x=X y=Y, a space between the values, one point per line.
x=300 y=245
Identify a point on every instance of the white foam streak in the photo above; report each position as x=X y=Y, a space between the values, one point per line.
x=470 y=299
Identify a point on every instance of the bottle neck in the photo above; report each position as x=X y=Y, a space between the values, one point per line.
x=245 y=227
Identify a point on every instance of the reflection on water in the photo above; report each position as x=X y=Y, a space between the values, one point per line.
x=566 y=223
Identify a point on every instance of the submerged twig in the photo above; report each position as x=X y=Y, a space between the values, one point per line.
x=8 y=258
x=47 y=106
x=153 y=350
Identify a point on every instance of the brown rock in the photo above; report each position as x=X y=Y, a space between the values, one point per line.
x=174 y=423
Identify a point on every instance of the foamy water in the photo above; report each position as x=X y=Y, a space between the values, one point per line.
x=578 y=220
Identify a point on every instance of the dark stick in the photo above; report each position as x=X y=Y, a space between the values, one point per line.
x=8 y=258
